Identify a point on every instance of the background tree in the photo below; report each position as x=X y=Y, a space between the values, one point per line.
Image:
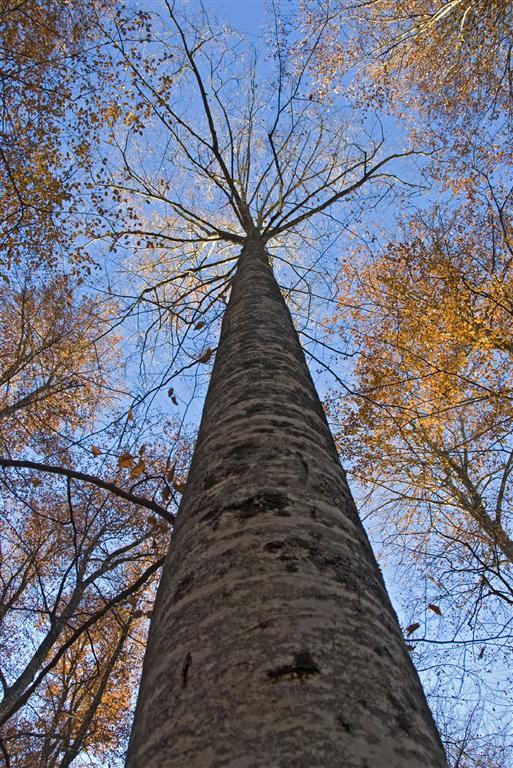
x=49 y=99
x=81 y=526
x=79 y=555
x=54 y=360
x=428 y=427
x=454 y=56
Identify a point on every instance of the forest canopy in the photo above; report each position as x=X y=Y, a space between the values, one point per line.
x=369 y=145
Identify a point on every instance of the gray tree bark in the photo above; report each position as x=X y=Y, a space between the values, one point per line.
x=273 y=641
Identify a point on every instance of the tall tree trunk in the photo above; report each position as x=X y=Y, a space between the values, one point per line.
x=273 y=641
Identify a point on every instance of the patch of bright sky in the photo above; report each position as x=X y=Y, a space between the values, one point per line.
x=248 y=16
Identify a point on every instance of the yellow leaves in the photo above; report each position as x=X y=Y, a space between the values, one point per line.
x=51 y=345
x=112 y=114
x=417 y=53
x=130 y=118
x=430 y=324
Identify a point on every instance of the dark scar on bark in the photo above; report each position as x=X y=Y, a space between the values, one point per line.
x=267 y=501
x=185 y=669
x=302 y=667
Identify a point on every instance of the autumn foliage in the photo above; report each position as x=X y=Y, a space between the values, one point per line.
x=454 y=55
x=427 y=426
x=79 y=555
x=100 y=164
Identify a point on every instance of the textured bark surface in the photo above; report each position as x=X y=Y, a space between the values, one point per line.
x=273 y=642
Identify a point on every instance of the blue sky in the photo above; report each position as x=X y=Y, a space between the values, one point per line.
x=247 y=15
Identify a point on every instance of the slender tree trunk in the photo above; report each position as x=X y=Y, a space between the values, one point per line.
x=73 y=750
x=273 y=641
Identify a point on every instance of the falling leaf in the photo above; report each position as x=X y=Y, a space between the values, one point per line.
x=435 y=609
x=130 y=415
x=481 y=652
x=138 y=469
x=412 y=628
x=36 y=481
x=166 y=493
x=170 y=474
x=95 y=451
x=125 y=460
x=205 y=357
x=199 y=325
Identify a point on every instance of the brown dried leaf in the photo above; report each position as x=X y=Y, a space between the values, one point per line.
x=412 y=628
x=435 y=609
x=205 y=357
x=95 y=451
x=126 y=460
x=138 y=469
